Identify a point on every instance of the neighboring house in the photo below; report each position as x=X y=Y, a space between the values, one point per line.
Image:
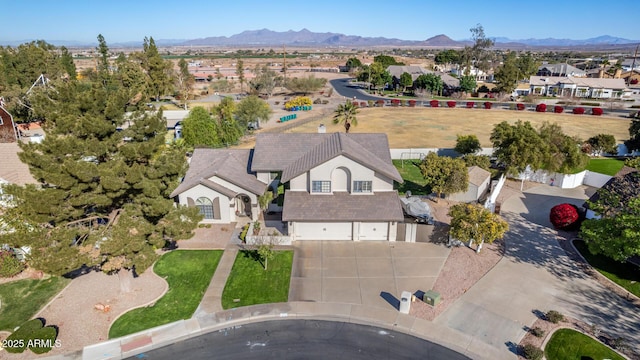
x=479 y=181
x=631 y=64
x=578 y=87
x=451 y=84
x=625 y=184
x=340 y=185
x=8 y=132
x=560 y=69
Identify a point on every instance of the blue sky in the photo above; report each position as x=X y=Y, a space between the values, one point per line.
x=132 y=20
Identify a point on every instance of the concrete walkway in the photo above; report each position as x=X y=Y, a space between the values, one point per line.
x=212 y=299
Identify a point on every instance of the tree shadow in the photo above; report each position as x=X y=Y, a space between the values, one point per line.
x=513 y=347
x=392 y=300
x=253 y=255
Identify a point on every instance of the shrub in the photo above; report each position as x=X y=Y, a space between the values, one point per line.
x=520 y=106
x=578 y=110
x=451 y=104
x=596 y=111
x=470 y=104
x=370 y=103
x=317 y=101
x=541 y=108
x=531 y=352
x=10 y=266
x=563 y=216
x=363 y=104
x=325 y=102
x=403 y=102
x=590 y=103
x=487 y=105
x=558 y=109
x=412 y=103
x=296 y=102
x=243 y=233
x=554 y=316
x=434 y=103
x=395 y=102
x=34 y=336
x=537 y=332
x=380 y=103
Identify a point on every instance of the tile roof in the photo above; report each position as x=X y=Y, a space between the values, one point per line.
x=334 y=145
x=342 y=206
x=478 y=175
x=294 y=154
x=227 y=164
x=588 y=82
x=562 y=68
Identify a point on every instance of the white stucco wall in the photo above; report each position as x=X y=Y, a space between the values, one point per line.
x=333 y=170
x=226 y=213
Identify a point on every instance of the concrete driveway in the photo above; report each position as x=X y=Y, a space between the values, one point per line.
x=536 y=275
x=366 y=273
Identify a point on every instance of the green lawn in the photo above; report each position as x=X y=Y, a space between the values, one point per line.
x=413 y=179
x=624 y=274
x=188 y=273
x=21 y=300
x=567 y=344
x=250 y=284
x=605 y=166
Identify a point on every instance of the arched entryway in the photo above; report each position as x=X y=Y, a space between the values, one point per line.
x=243 y=205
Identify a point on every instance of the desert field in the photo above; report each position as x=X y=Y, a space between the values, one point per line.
x=429 y=127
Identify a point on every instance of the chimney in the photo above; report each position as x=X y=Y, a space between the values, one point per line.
x=601 y=73
x=322 y=129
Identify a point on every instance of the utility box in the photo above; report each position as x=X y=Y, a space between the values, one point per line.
x=432 y=297
x=405 y=302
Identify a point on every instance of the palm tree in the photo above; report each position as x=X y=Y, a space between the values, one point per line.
x=346 y=114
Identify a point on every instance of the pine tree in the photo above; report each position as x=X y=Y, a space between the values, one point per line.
x=103 y=198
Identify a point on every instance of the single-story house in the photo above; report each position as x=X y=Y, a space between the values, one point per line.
x=625 y=185
x=340 y=186
x=479 y=181
x=578 y=87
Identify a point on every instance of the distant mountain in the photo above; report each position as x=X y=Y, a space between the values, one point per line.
x=304 y=37
x=443 y=41
x=600 y=40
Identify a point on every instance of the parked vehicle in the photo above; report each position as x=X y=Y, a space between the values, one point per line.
x=414 y=207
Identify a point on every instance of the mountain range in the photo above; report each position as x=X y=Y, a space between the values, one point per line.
x=306 y=38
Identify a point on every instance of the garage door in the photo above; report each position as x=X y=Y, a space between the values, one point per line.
x=323 y=231
x=374 y=231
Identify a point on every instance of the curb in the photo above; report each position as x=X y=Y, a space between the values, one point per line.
x=632 y=298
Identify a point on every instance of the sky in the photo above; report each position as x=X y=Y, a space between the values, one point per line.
x=132 y=20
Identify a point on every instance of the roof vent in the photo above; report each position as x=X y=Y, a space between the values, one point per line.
x=322 y=129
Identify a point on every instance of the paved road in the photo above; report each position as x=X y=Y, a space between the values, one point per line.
x=536 y=275
x=304 y=339
x=343 y=87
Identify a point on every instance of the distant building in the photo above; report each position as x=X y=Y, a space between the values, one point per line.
x=578 y=87
x=560 y=69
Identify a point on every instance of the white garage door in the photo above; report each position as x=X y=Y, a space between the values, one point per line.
x=323 y=231
x=374 y=231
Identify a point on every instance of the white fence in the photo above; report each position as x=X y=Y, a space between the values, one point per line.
x=567 y=181
x=419 y=153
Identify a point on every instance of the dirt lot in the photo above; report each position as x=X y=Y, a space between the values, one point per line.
x=428 y=127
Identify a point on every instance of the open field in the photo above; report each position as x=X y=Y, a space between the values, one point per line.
x=429 y=127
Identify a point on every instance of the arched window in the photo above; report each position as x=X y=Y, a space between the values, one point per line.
x=205 y=206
